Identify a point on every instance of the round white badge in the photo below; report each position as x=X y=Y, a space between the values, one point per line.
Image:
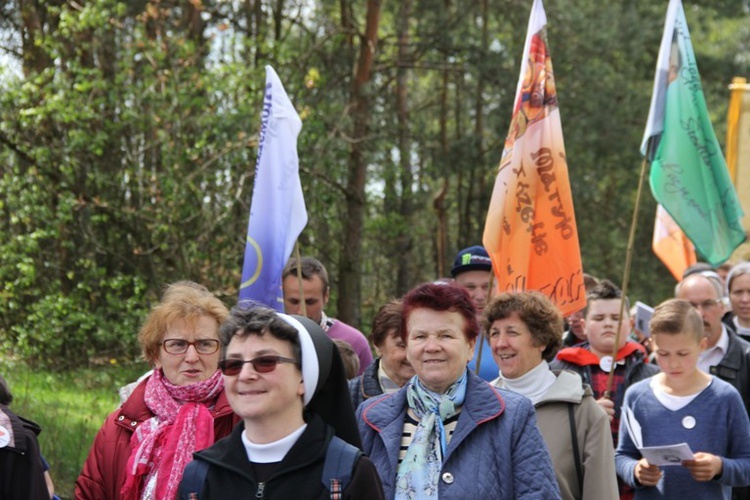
x=606 y=363
x=688 y=422
x=4 y=437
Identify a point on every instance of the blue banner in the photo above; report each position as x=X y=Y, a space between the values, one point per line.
x=277 y=211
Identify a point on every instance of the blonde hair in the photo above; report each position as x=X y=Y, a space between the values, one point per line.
x=183 y=300
x=675 y=316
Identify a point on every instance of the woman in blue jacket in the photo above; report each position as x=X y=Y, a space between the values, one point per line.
x=447 y=433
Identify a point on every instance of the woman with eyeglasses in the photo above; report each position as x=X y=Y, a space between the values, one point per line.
x=285 y=378
x=143 y=447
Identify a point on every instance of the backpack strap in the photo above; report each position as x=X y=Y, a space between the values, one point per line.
x=341 y=457
x=193 y=480
x=574 y=441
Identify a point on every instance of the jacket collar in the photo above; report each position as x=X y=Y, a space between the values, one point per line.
x=369 y=389
x=482 y=403
x=386 y=414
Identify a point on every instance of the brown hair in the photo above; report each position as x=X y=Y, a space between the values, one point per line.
x=387 y=319
x=258 y=320
x=675 y=316
x=183 y=300
x=308 y=267
x=543 y=319
x=349 y=357
x=605 y=290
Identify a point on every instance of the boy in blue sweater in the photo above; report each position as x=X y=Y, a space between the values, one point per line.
x=682 y=404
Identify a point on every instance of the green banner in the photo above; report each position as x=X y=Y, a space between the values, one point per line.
x=689 y=176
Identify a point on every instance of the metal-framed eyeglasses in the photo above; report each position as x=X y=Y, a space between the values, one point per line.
x=180 y=346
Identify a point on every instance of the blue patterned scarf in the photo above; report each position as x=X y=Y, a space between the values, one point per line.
x=417 y=475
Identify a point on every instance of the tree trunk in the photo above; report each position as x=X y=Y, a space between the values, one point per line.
x=35 y=59
x=404 y=239
x=349 y=292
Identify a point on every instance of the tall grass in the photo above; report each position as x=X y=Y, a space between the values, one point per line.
x=70 y=407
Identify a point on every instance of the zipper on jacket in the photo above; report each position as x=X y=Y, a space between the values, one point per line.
x=259 y=491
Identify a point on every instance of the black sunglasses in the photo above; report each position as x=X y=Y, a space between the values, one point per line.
x=261 y=364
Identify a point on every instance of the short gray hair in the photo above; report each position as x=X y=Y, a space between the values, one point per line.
x=739 y=270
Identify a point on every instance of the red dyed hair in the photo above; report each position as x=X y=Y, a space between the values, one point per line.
x=441 y=297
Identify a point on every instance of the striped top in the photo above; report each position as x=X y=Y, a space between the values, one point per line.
x=410 y=426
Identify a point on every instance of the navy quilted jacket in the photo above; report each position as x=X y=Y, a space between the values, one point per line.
x=496 y=450
x=367 y=385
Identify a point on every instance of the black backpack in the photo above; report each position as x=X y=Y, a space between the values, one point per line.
x=341 y=457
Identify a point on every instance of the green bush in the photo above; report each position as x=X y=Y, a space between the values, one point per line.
x=70 y=407
x=86 y=326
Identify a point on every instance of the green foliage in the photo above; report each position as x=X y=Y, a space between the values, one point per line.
x=129 y=143
x=70 y=408
x=64 y=331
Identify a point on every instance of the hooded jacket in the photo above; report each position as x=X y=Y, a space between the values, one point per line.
x=579 y=360
x=593 y=436
x=496 y=450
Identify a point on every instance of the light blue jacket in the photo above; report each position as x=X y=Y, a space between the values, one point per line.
x=496 y=450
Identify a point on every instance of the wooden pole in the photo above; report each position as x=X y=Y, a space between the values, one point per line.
x=297 y=256
x=626 y=278
x=481 y=337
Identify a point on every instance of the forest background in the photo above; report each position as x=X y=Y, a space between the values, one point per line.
x=129 y=134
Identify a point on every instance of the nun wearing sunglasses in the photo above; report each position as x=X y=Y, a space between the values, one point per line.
x=284 y=377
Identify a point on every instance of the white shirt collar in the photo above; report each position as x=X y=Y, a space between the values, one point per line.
x=713 y=355
x=271 y=452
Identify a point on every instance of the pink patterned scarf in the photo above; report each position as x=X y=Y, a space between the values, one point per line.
x=164 y=444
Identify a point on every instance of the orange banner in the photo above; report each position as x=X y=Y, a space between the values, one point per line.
x=530 y=232
x=671 y=245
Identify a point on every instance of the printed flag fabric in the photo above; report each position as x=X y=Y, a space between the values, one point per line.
x=671 y=245
x=277 y=211
x=530 y=232
x=689 y=177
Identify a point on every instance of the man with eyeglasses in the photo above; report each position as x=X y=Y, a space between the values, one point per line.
x=727 y=355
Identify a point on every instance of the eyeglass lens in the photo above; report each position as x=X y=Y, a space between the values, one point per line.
x=261 y=364
x=179 y=346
